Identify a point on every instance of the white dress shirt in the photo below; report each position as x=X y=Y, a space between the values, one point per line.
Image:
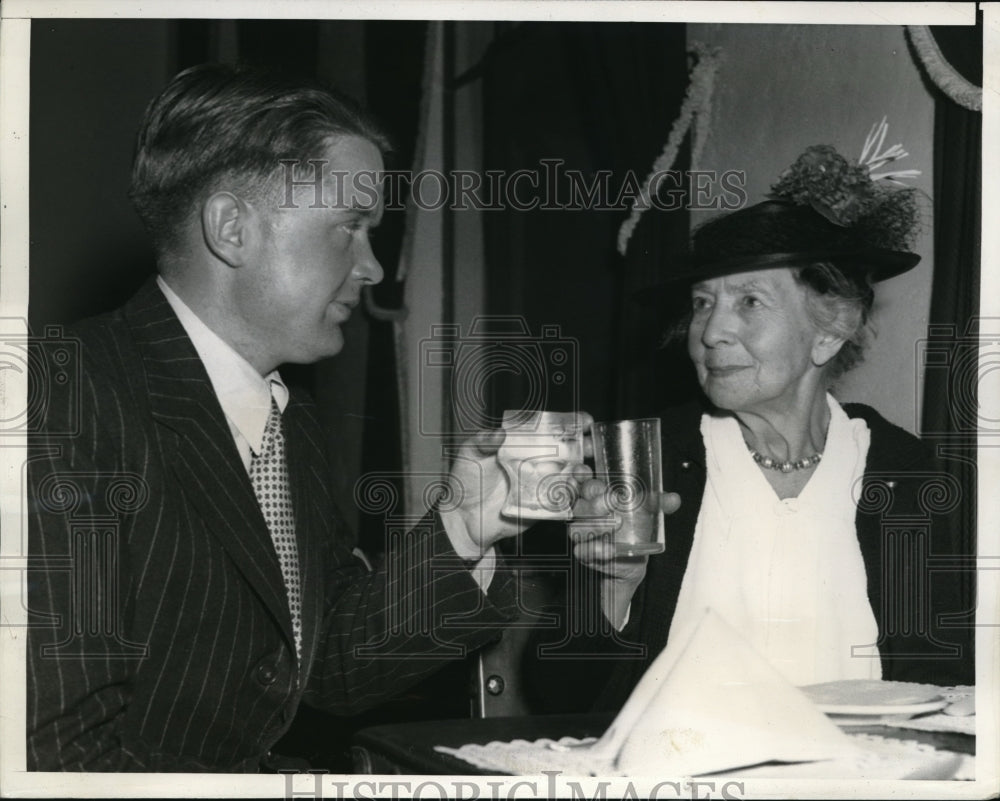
x=245 y=397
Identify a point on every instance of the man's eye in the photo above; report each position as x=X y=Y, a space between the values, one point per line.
x=751 y=301
x=699 y=303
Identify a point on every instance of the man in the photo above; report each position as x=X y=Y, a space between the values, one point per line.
x=190 y=585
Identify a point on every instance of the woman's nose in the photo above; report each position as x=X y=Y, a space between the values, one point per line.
x=718 y=328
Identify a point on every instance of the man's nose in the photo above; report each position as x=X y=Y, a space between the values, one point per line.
x=367 y=268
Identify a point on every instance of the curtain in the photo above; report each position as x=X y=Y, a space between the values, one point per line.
x=599 y=99
x=950 y=409
x=584 y=109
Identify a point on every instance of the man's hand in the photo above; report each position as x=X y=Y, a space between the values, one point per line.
x=479 y=486
x=592 y=531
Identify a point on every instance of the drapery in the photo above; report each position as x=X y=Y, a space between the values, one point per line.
x=951 y=416
x=580 y=111
x=598 y=100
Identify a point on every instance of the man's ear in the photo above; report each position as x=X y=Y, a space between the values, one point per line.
x=225 y=220
x=825 y=347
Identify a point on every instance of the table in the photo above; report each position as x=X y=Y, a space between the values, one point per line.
x=408 y=748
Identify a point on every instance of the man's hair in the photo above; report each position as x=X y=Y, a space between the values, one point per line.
x=216 y=122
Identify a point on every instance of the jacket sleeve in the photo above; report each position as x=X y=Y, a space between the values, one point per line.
x=419 y=609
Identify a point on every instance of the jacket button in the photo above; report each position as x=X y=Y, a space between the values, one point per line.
x=685 y=465
x=266 y=674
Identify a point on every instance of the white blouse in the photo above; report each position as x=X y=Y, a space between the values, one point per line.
x=787 y=574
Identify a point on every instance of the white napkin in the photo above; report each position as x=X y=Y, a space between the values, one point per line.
x=714 y=704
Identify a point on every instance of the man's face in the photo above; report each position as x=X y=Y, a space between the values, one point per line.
x=311 y=258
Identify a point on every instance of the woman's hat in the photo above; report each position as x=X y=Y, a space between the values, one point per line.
x=778 y=233
x=822 y=208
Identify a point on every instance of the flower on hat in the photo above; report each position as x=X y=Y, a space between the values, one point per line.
x=853 y=195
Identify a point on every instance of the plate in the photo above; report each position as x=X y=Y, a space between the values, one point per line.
x=878 y=758
x=869 y=701
x=873 y=715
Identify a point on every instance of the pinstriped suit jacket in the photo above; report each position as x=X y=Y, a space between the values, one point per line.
x=161 y=638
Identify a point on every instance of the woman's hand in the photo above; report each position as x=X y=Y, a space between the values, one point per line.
x=592 y=531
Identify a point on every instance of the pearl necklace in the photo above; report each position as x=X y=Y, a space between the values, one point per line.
x=785 y=467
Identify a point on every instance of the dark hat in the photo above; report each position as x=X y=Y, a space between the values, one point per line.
x=821 y=209
x=779 y=233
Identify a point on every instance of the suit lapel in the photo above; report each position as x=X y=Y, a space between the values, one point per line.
x=197 y=444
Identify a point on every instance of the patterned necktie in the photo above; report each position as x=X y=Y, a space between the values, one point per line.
x=269 y=476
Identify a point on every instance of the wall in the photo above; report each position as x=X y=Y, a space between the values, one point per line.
x=90 y=81
x=781 y=88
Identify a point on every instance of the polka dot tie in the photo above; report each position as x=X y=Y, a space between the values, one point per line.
x=269 y=476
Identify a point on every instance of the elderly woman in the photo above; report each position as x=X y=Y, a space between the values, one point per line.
x=781 y=529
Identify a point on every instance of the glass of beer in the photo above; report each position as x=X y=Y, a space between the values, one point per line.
x=627 y=457
x=538 y=453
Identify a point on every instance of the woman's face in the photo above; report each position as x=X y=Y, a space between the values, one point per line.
x=753 y=344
